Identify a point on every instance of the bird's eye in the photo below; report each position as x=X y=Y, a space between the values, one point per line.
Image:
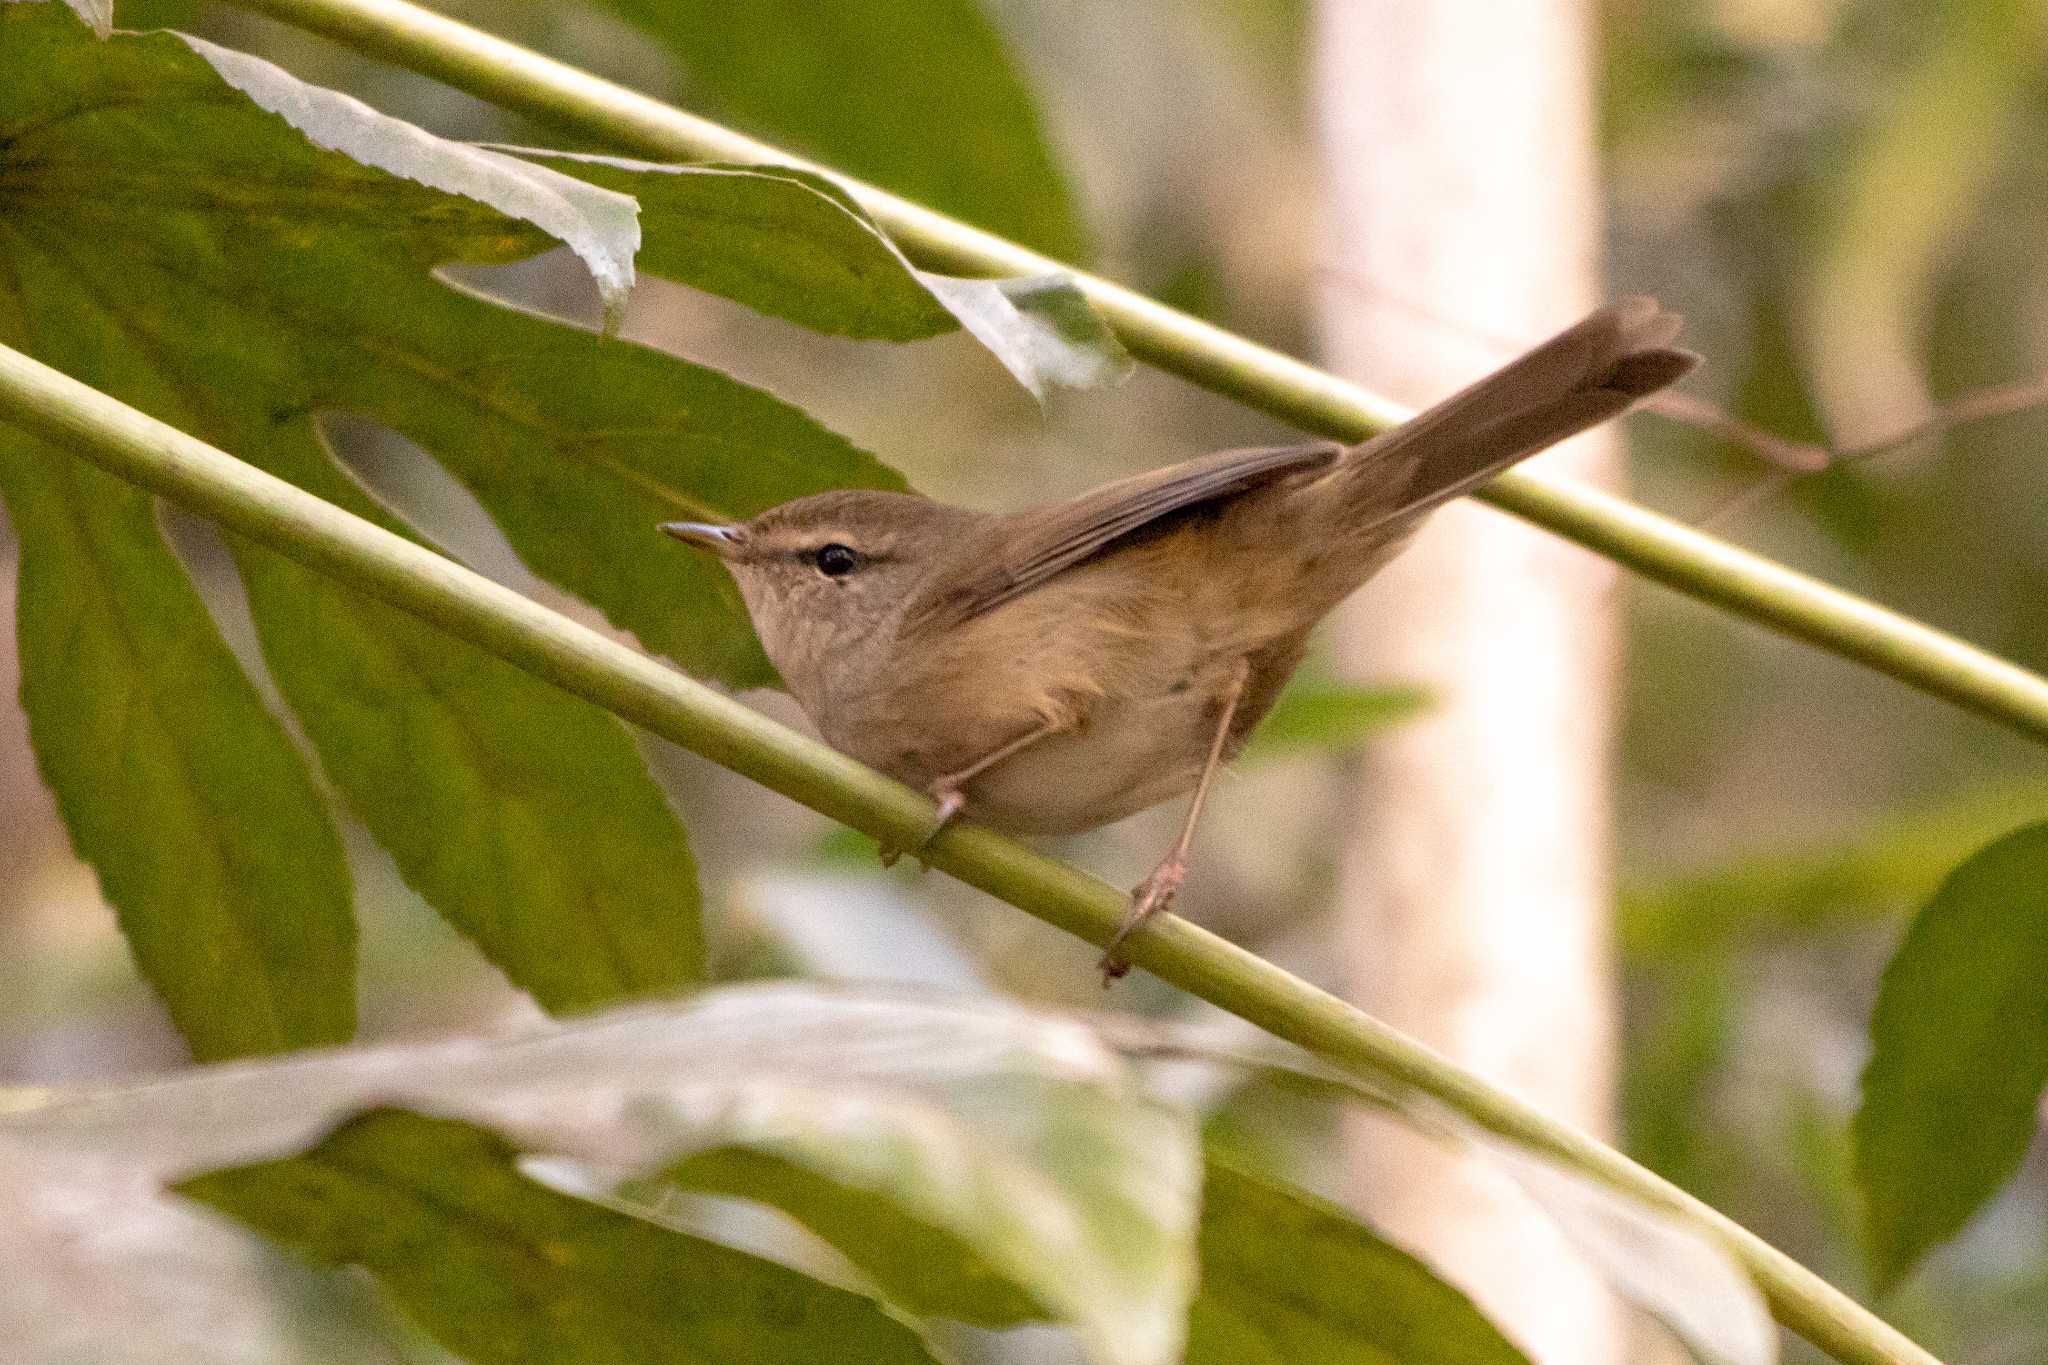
x=836 y=560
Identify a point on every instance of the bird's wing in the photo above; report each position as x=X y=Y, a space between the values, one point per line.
x=1061 y=537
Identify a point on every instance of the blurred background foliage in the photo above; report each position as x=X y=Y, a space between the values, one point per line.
x=1846 y=197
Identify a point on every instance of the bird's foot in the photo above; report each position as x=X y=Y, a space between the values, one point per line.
x=1151 y=896
x=951 y=802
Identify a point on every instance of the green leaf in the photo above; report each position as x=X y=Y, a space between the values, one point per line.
x=98 y=13
x=1669 y=1268
x=1880 y=871
x=1685 y=1025
x=598 y=225
x=177 y=786
x=921 y=1266
x=271 y=281
x=501 y=1269
x=1045 y=1190
x=1288 y=1278
x=1039 y=326
x=1314 y=716
x=918 y=96
x=781 y=241
x=1035 y=1108
x=1959 y=1054
x=182 y=791
x=525 y=817
x=1074 y=1207
x=795 y=246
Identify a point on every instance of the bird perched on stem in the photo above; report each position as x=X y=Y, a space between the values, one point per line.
x=1053 y=669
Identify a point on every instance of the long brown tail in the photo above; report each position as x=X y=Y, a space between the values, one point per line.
x=1593 y=370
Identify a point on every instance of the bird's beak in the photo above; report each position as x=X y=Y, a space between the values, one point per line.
x=720 y=540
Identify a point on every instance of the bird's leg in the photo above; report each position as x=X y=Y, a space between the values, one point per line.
x=949 y=791
x=1157 y=891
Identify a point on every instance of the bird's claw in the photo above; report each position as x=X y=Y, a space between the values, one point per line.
x=951 y=802
x=1149 y=898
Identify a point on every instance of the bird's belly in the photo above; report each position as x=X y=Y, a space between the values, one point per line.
x=1129 y=754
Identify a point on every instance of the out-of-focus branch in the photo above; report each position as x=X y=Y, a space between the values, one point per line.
x=1797 y=457
x=1689 y=409
x=1791 y=460
x=1810 y=457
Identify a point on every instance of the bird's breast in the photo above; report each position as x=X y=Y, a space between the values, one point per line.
x=1127 y=754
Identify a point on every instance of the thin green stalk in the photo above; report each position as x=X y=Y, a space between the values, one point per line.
x=561 y=96
x=365 y=558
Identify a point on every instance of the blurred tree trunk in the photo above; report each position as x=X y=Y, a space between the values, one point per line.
x=1462 y=222
x=26 y=828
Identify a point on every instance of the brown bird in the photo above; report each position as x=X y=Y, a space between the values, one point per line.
x=1054 y=669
